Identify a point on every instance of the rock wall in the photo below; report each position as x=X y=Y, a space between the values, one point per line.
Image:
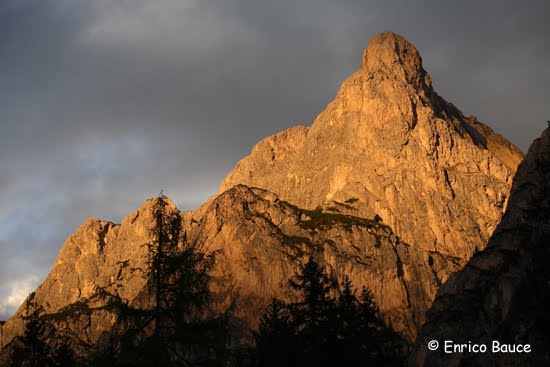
x=502 y=294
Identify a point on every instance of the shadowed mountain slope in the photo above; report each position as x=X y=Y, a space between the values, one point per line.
x=502 y=294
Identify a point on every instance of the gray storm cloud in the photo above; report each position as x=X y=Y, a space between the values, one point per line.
x=104 y=103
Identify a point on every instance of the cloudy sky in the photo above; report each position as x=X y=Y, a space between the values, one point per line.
x=104 y=103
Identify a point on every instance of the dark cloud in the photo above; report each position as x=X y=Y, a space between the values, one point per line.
x=103 y=103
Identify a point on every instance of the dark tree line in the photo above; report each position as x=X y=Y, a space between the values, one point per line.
x=329 y=326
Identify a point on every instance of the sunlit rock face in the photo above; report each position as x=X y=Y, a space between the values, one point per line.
x=396 y=149
x=391 y=185
x=502 y=294
x=263 y=241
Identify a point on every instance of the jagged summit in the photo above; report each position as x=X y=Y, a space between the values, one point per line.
x=392 y=147
x=392 y=55
x=387 y=48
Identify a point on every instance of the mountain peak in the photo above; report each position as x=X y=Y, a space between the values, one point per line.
x=386 y=49
x=386 y=131
x=391 y=53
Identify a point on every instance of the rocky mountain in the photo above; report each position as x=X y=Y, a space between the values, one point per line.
x=391 y=146
x=502 y=294
x=391 y=185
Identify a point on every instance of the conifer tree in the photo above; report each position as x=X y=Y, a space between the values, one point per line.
x=172 y=331
x=276 y=339
x=329 y=326
x=314 y=316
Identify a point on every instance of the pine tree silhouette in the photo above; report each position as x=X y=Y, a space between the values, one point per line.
x=314 y=317
x=173 y=331
x=276 y=339
x=330 y=326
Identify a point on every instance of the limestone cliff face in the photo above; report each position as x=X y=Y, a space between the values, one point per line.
x=263 y=241
x=502 y=294
x=389 y=145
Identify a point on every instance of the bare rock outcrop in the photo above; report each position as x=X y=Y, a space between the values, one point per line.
x=502 y=294
x=392 y=147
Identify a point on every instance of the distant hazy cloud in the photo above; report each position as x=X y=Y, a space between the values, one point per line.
x=15 y=294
